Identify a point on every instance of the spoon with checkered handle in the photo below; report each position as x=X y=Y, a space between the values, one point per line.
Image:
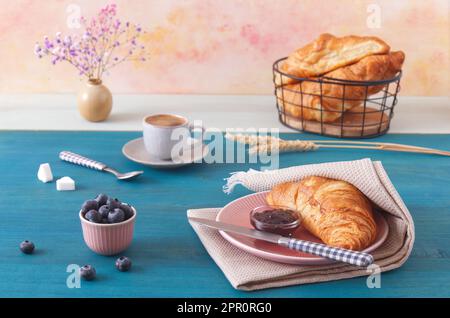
x=96 y=165
x=334 y=253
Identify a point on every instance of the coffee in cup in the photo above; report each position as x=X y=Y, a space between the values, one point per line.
x=162 y=132
x=165 y=120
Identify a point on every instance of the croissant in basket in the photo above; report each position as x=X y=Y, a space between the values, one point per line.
x=327 y=53
x=306 y=99
x=335 y=211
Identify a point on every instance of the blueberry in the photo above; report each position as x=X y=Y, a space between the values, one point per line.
x=93 y=216
x=116 y=216
x=104 y=210
x=89 y=205
x=123 y=264
x=87 y=272
x=127 y=210
x=105 y=221
x=113 y=203
x=27 y=247
x=101 y=199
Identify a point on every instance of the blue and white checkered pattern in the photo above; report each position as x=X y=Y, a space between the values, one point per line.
x=335 y=253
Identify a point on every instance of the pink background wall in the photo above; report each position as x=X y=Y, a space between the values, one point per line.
x=223 y=47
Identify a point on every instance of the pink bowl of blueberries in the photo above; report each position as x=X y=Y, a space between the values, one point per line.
x=107 y=224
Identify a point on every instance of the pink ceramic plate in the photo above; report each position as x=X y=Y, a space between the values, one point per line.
x=237 y=212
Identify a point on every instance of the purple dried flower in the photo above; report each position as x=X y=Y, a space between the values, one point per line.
x=37 y=48
x=90 y=51
x=67 y=40
x=48 y=44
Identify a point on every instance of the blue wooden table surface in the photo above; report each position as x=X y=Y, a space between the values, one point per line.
x=169 y=260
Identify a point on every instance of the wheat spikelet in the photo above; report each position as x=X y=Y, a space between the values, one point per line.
x=251 y=140
x=269 y=144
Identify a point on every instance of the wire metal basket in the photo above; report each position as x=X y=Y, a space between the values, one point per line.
x=335 y=107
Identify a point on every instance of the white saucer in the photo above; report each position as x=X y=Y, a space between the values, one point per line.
x=135 y=151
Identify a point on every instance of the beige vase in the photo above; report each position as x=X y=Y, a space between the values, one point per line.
x=94 y=101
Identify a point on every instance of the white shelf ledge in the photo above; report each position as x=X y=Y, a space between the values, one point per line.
x=59 y=112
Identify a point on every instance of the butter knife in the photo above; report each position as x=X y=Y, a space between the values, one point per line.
x=334 y=253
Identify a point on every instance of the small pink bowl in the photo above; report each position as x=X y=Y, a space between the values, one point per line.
x=108 y=239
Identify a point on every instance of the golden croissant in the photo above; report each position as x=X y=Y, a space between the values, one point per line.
x=328 y=97
x=335 y=211
x=327 y=53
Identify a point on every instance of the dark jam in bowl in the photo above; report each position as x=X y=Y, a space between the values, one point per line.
x=277 y=220
x=275 y=217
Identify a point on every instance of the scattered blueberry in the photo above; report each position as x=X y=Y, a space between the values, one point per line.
x=116 y=216
x=89 y=205
x=123 y=264
x=27 y=247
x=104 y=210
x=87 y=272
x=101 y=199
x=127 y=210
x=113 y=203
x=93 y=216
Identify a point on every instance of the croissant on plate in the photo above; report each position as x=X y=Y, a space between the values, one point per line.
x=333 y=210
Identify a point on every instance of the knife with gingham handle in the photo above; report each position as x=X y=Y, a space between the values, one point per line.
x=334 y=253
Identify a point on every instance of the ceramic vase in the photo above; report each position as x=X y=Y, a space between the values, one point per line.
x=94 y=101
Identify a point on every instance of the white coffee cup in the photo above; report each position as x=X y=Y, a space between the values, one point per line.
x=162 y=132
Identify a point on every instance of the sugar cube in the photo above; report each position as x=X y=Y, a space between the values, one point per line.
x=65 y=184
x=45 y=173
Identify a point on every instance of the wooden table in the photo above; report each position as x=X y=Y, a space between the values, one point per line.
x=169 y=259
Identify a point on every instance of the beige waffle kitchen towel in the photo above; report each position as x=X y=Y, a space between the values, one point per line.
x=248 y=272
